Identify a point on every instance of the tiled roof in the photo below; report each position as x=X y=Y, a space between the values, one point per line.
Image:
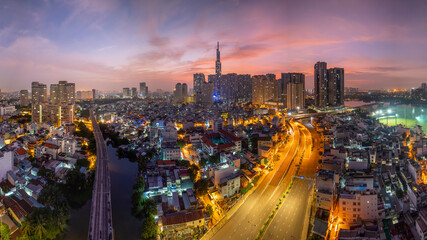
x=21 y=151
x=182 y=218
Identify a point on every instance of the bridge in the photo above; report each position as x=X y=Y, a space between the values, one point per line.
x=101 y=224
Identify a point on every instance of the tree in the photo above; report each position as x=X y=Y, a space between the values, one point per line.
x=149 y=206
x=82 y=162
x=40 y=226
x=201 y=187
x=149 y=228
x=4 y=231
x=180 y=143
x=209 y=210
x=26 y=227
x=192 y=171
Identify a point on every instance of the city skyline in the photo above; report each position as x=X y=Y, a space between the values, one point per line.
x=115 y=43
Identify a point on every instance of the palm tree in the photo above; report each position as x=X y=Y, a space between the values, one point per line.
x=39 y=227
x=26 y=228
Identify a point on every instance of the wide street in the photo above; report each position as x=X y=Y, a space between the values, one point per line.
x=246 y=222
x=292 y=218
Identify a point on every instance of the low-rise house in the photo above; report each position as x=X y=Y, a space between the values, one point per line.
x=182 y=225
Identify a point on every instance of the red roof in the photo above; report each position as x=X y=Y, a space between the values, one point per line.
x=229 y=135
x=208 y=142
x=50 y=145
x=226 y=145
x=21 y=151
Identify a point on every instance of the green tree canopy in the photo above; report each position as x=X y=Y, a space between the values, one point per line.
x=149 y=228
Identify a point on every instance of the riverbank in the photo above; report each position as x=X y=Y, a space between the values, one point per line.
x=125 y=226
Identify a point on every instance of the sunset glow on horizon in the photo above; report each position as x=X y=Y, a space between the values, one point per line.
x=111 y=44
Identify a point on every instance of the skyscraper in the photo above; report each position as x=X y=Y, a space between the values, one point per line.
x=126 y=93
x=282 y=86
x=53 y=113
x=38 y=93
x=203 y=91
x=328 y=86
x=143 y=90
x=264 y=88
x=94 y=93
x=320 y=85
x=23 y=98
x=218 y=62
x=134 y=92
x=336 y=86
x=295 y=89
x=180 y=93
x=184 y=93
x=243 y=88
x=177 y=94
x=63 y=92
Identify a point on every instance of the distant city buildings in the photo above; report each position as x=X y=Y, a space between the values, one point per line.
x=134 y=92
x=84 y=95
x=60 y=110
x=38 y=93
x=126 y=93
x=295 y=90
x=24 y=98
x=264 y=89
x=203 y=91
x=180 y=93
x=328 y=86
x=143 y=90
x=63 y=92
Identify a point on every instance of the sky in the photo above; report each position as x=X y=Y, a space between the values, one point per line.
x=111 y=44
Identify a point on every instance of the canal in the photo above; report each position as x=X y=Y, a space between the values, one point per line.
x=126 y=226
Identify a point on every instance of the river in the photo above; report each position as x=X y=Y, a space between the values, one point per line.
x=125 y=226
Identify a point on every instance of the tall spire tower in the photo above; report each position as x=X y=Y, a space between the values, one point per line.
x=218 y=62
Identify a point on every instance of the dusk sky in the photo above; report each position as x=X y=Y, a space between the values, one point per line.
x=111 y=44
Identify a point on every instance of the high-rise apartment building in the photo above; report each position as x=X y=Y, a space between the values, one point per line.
x=38 y=93
x=134 y=92
x=328 y=86
x=143 y=90
x=84 y=95
x=282 y=86
x=24 y=98
x=336 y=86
x=295 y=91
x=264 y=89
x=57 y=114
x=94 y=93
x=63 y=92
x=243 y=88
x=320 y=84
x=180 y=93
x=126 y=93
x=203 y=91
